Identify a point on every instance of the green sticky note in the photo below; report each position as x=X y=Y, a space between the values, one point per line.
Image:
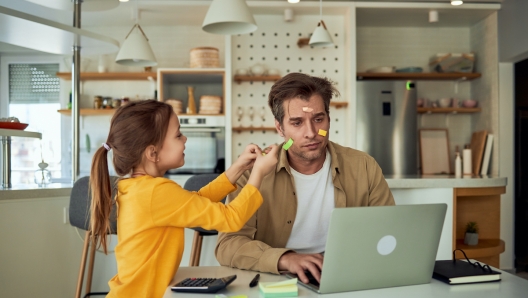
x=288 y=144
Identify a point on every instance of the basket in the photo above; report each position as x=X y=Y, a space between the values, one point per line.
x=204 y=57
x=452 y=62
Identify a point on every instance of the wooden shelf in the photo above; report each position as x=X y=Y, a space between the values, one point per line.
x=484 y=248
x=89 y=112
x=251 y=128
x=107 y=76
x=447 y=110
x=339 y=104
x=417 y=76
x=239 y=78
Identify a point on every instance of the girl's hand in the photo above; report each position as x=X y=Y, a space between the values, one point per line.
x=245 y=161
x=267 y=160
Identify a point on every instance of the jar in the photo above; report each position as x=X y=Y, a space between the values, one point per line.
x=124 y=100
x=98 y=102
x=107 y=102
x=42 y=175
x=116 y=103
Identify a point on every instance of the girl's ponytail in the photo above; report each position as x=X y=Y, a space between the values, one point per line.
x=101 y=191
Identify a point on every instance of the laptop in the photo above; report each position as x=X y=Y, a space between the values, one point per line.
x=380 y=247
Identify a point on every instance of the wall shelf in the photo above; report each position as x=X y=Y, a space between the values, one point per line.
x=89 y=112
x=251 y=128
x=417 y=76
x=447 y=110
x=272 y=78
x=106 y=76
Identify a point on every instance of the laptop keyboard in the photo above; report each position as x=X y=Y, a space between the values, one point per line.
x=311 y=279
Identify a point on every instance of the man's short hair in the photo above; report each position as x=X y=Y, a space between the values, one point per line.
x=302 y=86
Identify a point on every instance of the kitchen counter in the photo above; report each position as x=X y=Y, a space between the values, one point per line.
x=32 y=191
x=442 y=181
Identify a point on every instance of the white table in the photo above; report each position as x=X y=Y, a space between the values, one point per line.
x=510 y=286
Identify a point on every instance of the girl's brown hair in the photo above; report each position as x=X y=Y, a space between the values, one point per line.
x=133 y=128
x=299 y=85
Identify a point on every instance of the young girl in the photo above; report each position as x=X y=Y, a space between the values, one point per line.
x=153 y=211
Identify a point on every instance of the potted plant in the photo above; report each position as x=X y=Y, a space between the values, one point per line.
x=471 y=237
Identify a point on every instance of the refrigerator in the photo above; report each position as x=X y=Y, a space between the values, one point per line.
x=387 y=124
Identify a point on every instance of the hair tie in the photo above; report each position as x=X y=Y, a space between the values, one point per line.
x=107 y=147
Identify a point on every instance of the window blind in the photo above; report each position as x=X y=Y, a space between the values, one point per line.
x=33 y=83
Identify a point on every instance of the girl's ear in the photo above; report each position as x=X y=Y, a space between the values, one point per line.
x=151 y=153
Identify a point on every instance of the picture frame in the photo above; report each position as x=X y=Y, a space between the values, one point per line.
x=434 y=151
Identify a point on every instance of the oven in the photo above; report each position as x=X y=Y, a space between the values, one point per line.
x=205 y=147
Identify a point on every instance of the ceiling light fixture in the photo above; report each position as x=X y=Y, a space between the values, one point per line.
x=457 y=2
x=433 y=16
x=293 y=1
x=229 y=17
x=135 y=50
x=320 y=36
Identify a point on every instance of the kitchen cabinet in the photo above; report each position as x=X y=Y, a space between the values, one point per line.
x=481 y=205
x=173 y=83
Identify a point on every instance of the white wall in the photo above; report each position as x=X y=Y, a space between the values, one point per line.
x=513 y=43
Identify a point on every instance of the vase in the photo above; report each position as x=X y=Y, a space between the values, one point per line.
x=471 y=239
x=191 y=105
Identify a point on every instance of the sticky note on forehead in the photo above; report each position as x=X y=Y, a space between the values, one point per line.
x=288 y=144
x=322 y=132
x=307 y=109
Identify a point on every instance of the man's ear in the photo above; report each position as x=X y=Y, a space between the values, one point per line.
x=151 y=153
x=278 y=128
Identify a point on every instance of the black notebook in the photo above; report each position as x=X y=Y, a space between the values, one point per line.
x=463 y=272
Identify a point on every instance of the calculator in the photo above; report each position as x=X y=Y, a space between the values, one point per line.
x=203 y=285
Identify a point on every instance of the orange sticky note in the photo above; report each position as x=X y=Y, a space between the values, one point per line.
x=322 y=132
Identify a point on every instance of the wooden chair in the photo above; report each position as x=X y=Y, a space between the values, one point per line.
x=195 y=183
x=80 y=200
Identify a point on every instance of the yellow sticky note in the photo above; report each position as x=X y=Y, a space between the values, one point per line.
x=288 y=144
x=286 y=288
x=322 y=132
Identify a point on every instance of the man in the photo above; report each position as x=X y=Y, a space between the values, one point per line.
x=313 y=176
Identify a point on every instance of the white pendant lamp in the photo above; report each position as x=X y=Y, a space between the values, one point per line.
x=229 y=17
x=457 y=2
x=135 y=50
x=321 y=37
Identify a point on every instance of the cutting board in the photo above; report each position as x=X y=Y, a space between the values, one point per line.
x=478 y=142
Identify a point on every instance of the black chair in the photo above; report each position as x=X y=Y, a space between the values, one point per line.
x=195 y=183
x=80 y=200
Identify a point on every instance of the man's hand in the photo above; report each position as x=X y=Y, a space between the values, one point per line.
x=298 y=263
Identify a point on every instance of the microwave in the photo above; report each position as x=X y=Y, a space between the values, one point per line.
x=205 y=147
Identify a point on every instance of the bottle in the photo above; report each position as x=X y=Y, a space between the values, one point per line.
x=466 y=158
x=191 y=105
x=70 y=102
x=458 y=165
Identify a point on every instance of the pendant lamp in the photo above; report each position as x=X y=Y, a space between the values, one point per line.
x=320 y=36
x=229 y=17
x=135 y=50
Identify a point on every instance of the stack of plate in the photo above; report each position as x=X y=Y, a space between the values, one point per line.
x=210 y=104
x=176 y=105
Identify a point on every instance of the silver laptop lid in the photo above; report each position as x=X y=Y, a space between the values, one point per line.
x=382 y=246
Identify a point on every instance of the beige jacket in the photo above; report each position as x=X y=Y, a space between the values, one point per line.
x=358 y=181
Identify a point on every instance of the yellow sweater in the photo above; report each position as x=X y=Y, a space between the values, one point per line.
x=152 y=215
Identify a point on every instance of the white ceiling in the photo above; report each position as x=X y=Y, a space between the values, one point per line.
x=185 y=12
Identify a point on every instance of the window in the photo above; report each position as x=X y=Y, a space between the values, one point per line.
x=33 y=96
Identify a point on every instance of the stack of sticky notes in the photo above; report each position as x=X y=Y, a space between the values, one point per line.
x=286 y=288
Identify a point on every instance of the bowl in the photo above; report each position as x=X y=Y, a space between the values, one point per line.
x=444 y=102
x=469 y=103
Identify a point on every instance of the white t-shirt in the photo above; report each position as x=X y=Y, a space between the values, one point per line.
x=315 y=202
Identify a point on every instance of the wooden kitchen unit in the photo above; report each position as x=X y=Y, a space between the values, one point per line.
x=481 y=205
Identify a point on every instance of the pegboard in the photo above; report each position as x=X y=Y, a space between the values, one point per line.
x=274 y=46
